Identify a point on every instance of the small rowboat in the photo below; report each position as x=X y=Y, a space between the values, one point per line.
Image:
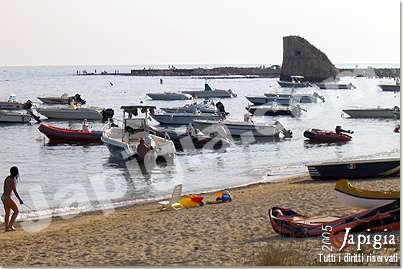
x=291 y=224
x=323 y=136
x=57 y=134
x=350 y=195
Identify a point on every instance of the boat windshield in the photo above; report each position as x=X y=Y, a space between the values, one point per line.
x=136 y=123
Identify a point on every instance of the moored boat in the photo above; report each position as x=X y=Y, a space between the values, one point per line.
x=185 y=118
x=14 y=116
x=65 y=99
x=122 y=142
x=289 y=223
x=370 y=168
x=208 y=92
x=81 y=113
x=275 y=109
x=185 y=141
x=169 y=96
x=390 y=87
x=57 y=134
x=350 y=195
x=335 y=86
x=204 y=107
x=296 y=82
x=242 y=128
x=375 y=113
x=323 y=136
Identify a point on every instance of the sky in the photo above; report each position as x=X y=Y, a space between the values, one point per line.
x=120 y=32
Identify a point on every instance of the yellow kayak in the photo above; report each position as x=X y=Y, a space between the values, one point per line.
x=362 y=198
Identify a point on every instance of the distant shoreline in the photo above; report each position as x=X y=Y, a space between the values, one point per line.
x=231 y=72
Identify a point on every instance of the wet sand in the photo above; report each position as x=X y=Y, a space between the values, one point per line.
x=231 y=234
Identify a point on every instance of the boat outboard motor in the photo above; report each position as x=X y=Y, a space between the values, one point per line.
x=79 y=100
x=220 y=107
x=28 y=107
x=107 y=114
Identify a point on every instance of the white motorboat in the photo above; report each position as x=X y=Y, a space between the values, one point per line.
x=122 y=141
x=210 y=93
x=283 y=98
x=12 y=104
x=376 y=113
x=390 y=87
x=275 y=108
x=65 y=99
x=168 y=96
x=296 y=82
x=242 y=128
x=207 y=106
x=185 y=118
x=80 y=113
x=14 y=116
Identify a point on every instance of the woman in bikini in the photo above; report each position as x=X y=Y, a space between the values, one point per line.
x=10 y=186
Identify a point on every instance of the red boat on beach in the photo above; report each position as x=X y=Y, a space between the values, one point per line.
x=57 y=134
x=289 y=223
x=323 y=136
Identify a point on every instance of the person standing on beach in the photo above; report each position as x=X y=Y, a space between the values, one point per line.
x=10 y=184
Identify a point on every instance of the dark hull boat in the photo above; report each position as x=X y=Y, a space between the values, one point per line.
x=290 y=84
x=274 y=110
x=322 y=136
x=389 y=87
x=335 y=86
x=62 y=135
x=186 y=142
x=355 y=169
x=289 y=223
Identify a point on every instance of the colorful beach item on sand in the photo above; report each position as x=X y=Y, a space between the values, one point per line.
x=289 y=223
x=363 y=198
x=194 y=200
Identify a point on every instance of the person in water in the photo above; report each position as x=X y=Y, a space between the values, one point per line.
x=10 y=184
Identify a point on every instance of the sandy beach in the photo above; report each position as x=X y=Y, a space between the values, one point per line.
x=231 y=234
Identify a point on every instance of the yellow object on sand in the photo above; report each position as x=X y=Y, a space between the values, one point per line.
x=187 y=202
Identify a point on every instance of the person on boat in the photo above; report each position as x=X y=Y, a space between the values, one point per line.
x=247 y=118
x=73 y=103
x=86 y=126
x=10 y=186
x=190 y=130
x=148 y=140
x=142 y=149
x=339 y=130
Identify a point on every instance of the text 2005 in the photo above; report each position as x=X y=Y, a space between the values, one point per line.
x=327 y=245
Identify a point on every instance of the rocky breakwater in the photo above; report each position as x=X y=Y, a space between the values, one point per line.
x=302 y=58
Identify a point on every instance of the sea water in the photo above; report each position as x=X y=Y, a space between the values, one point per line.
x=65 y=179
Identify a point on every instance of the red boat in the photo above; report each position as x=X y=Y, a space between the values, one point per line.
x=57 y=134
x=291 y=224
x=323 y=136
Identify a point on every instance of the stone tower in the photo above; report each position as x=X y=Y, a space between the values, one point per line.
x=303 y=59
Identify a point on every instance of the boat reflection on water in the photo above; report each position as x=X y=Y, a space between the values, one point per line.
x=250 y=140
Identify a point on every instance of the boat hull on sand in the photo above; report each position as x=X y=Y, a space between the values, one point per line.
x=362 y=198
x=289 y=223
x=355 y=169
x=63 y=135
